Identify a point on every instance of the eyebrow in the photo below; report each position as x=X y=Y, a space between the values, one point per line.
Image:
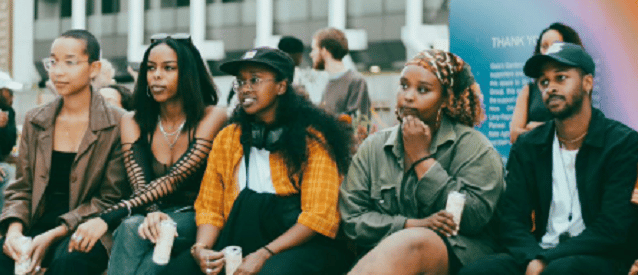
x=165 y=62
x=424 y=83
x=66 y=56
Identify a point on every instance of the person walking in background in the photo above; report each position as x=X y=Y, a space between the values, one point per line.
x=294 y=47
x=393 y=200
x=347 y=90
x=530 y=111
x=166 y=142
x=574 y=173
x=70 y=167
x=8 y=130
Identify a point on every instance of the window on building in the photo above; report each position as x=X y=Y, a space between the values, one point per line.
x=90 y=8
x=35 y=10
x=65 y=8
x=222 y=1
x=175 y=3
x=110 y=6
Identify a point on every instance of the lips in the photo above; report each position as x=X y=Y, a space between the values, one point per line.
x=554 y=100
x=247 y=102
x=403 y=112
x=58 y=84
x=157 y=88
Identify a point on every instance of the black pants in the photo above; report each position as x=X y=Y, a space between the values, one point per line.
x=58 y=260
x=309 y=258
x=501 y=264
x=255 y=220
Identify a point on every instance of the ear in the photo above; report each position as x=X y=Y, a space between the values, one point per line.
x=283 y=86
x=324 y=53
x=588 y=83
x=95 y=68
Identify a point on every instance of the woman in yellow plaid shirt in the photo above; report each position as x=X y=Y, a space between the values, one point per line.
x=273 y=176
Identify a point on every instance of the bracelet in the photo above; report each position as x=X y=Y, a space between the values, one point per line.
x=421 y=160
x=269 y=251
x=195 y=246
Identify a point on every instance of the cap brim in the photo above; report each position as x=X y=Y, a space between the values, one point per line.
x=232 y=67
x=534 y=65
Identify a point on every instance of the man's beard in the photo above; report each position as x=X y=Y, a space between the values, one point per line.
x=319 y=65
x=569 y=109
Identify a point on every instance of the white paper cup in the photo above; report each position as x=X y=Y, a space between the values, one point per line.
x=22 y=265
x=162 y=252
x=455 y=204
x=233 y=256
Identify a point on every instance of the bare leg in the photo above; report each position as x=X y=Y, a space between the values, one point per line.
x=409 y=251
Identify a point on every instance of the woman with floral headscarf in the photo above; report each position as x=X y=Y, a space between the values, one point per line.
x=393 y=199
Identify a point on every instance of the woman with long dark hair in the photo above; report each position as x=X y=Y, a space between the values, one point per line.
x=166 y=142
x=272 y=180
x=530 y=111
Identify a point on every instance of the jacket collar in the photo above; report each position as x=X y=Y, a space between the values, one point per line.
x=99 y=117
x=444 y=134
x=595 y=133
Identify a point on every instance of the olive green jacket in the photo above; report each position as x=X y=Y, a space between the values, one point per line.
x=377 y=196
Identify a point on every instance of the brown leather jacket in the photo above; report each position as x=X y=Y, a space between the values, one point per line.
x=98 y=178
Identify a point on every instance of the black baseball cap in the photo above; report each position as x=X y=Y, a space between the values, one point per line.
x=565 y=53
x=271 y=57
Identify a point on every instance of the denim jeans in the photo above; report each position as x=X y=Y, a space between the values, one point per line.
x=133 y=255
x=9 y=170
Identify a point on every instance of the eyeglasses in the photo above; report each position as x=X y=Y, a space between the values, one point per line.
x=184 y=37
x=253 y=82
x=50 y=63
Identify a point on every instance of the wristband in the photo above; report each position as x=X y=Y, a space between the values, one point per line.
x=421 y=160
x=195 y=246
x=269 y=251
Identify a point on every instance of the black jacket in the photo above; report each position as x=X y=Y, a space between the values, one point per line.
x=606 y=167
x=8 y=133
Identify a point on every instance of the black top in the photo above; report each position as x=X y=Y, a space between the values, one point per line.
x=536 y=110
x=156 y=185
x=605 y=175
x=56 y=194
x=187 y=193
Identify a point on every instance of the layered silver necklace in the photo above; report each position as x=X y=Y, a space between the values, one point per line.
x=172 y=137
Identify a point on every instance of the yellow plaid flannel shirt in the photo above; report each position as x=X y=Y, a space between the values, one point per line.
x=319 y=188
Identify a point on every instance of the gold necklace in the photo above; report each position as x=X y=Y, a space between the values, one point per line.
x=572 y=141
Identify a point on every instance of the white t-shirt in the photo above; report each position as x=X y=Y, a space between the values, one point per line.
x=565 y=200
x=259 y=172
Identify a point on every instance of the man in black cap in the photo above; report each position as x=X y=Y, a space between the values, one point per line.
x=566 y=209
x=294 y=47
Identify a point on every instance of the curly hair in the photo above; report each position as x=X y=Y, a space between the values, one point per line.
x=464 y=97
x=569 y=35
x=296 y=115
